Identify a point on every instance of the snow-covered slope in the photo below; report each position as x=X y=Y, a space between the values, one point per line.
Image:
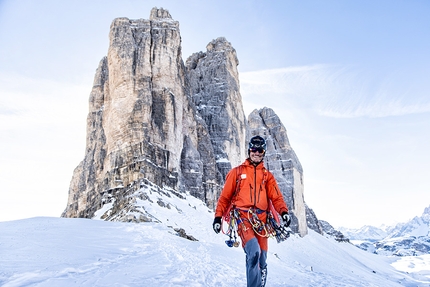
x=83 y=252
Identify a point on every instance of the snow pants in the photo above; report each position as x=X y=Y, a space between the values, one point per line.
x=255 y=263
x=255 y=247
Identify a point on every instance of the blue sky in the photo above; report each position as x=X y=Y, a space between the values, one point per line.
x=349 y=80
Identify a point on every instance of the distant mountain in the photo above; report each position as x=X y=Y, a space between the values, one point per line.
x=404 y=239
x=365 y=233
x=417 y=227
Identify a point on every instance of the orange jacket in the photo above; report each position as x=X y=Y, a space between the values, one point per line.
x=256 y=186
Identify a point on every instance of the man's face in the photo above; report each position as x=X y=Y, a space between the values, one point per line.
x=256 y=155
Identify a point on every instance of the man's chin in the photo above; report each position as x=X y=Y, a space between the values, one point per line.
x=256 y=160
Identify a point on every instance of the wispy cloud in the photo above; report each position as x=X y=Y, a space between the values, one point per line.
x=338 y=91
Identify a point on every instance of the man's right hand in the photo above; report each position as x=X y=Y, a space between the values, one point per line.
x=217 y=224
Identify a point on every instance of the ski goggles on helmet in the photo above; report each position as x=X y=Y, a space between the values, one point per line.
x=255 y=149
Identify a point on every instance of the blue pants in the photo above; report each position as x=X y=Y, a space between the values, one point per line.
x=255 y=263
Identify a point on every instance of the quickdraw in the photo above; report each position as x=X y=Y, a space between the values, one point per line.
x=280 y=231
x=233 y=220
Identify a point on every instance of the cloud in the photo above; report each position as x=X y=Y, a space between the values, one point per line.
x=337 y=91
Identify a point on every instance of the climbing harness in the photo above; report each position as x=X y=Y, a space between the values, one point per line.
x=270 y=228
x=259 y=227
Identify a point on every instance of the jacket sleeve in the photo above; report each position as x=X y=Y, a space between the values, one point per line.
x=225 y=198
x=275 y=195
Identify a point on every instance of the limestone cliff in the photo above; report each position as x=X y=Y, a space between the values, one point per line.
x=157 y=124
x=142 y=125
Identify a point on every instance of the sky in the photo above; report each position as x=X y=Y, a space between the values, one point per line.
x=348 y=79
x=79 y=252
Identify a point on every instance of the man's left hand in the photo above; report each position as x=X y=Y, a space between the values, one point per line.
x=287 y=219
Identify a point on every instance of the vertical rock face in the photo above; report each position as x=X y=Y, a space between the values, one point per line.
x=141 y=124
x=85 y=184
x=146 y=96
x=155 y=123
x=282 y=161
x=214 y=86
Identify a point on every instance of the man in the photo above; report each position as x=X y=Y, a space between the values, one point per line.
x=249 y=188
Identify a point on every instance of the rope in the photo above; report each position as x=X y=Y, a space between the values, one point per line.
x=269 y=229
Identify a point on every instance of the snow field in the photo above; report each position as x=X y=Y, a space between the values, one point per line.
x=82 y=252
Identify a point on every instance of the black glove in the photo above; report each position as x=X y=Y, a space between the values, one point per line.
x=287 y=219
x=217 y=224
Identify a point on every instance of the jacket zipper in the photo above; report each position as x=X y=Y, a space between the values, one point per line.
x=255 y=185
x=259 y=193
